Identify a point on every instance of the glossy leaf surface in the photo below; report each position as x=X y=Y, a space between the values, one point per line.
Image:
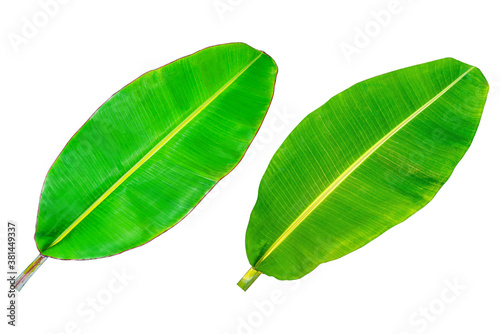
x=362 y=163
x=152 y=151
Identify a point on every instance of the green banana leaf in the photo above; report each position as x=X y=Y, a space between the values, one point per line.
x=362 y=163
x=151 y=152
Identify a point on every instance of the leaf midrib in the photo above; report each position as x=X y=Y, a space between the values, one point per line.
x=352 y=168
x=148 y=155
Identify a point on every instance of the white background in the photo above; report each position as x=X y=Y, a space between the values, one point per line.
x=185 y=280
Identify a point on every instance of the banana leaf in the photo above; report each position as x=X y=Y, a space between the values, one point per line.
x=151 y=152
x=362 y=163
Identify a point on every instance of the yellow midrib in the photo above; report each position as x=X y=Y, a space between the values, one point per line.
x=152 y=152
x=351 y=169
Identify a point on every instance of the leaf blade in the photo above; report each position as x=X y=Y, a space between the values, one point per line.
x=334 y=137
x=208 y=80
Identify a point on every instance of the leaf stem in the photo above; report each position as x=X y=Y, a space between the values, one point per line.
x=28 y=272
x=247 y=280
